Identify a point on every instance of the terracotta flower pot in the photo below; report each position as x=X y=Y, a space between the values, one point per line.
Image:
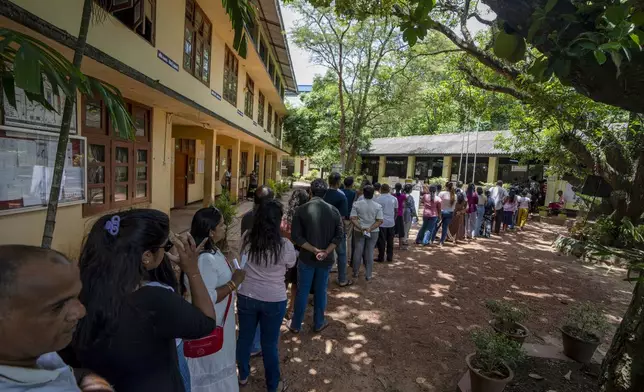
x=578 y=349
x=481 y=383
x=516 y=337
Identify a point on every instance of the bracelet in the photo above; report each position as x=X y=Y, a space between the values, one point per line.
x=230 y=287
x=234 y=285
x=194 y=275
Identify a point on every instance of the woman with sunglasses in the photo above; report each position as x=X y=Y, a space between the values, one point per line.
x=216 y=372
x=134 y=314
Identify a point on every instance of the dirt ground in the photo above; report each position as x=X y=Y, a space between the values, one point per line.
x=408 y=329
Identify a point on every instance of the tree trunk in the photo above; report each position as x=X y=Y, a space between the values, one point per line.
x=63 y=138
x=343 y=118
x=623 y=366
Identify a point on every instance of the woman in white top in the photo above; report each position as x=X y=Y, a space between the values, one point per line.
x=216 y=372
x=448 y=201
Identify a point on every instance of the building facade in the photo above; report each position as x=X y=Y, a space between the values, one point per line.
x=201 y=112
x=465 y=157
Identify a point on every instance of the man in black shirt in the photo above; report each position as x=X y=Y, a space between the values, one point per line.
x=338 y=199
x=317 y=229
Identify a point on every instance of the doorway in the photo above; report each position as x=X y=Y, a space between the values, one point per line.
x=180 y=179
x=301 y=167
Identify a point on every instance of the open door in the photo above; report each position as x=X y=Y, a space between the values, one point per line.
x=180 y=179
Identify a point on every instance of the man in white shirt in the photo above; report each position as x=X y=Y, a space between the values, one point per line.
x=498 y=194
x=389 y=209
x=39 y=304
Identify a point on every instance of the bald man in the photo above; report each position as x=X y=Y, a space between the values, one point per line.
x=39 y=310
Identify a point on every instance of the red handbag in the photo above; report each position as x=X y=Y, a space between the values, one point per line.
x=210 y=344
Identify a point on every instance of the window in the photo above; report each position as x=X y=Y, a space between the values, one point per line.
x=189 y=148
x=276 y=124
x=263 y=52
x=249 y=96
x=260 y=109
x=467 y=165
x=431 y=167
x=271 y=70
x=396 y=167
x=279 y=128
x=197 y=43
x=138 y=15
x=282 y=90
x=231 y=68
x=269 y=127
x=118 y=169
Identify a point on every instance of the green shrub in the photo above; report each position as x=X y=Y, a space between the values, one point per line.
x=229 y=211
x=493 y=350
x=279 y=188
x=586 y=321
x=436 y=181
x=313 y=174
x=506 y=314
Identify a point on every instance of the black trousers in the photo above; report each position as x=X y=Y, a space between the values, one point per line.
x=386 y=239
x=498 y=219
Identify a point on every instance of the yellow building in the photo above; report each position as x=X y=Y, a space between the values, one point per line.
x=201 y=111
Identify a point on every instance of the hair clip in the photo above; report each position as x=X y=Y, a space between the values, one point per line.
x=112 y=226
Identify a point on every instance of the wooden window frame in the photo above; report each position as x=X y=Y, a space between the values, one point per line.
x=108 y=137
x=200 y=35
x=249 y=97
x=231 y=76
x=111 y=8
x=261 y=110
x=269 y=124
x=276 y=121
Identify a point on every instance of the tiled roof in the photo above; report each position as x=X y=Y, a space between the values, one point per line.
x=442 y=144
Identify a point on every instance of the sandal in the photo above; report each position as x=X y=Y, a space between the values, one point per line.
x=292 y=330
x=349 y=282
x=323 y=327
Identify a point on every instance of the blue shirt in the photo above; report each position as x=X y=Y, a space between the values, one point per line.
x=351 y=197
x=337 y=199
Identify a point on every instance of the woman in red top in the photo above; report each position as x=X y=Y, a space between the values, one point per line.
x=431 y=211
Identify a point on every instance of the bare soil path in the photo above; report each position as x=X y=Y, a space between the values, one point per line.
x=408 y=329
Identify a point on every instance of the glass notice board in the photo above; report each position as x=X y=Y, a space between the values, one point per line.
x=27 y=165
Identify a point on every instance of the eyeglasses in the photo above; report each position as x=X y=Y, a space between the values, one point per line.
x=167 y=247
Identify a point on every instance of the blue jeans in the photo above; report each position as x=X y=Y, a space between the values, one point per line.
x=308 y=276
x=257 y=347
x=480 y=211
x=269 y=315
x=183 y=367
x=431 y=227
x=447 y=217
x=341 y=251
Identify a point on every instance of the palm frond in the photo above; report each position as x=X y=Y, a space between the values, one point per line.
x=241 y=13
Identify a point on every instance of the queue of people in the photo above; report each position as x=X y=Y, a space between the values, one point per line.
x=147 y=310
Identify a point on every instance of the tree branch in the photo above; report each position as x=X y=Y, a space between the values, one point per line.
x=477 y=82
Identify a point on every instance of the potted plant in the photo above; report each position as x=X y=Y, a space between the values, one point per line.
x=582 y=332
x=507 y=319
x=490 y=367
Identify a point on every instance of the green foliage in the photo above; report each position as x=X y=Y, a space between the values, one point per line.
x=300 y=131
x=585 y=320
x=312 y=175
x=279 y=188
x=493 y=351
x=34 y=62
x=241 y=14
x=228 y=211
x=436 y=181
x=506 y=314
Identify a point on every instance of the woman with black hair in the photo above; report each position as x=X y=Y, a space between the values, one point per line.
x=262 y=298
x=298 y=197
x=133 y=315
x=216 y=372
x=400 y=220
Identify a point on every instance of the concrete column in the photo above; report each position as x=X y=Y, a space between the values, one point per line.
x=381 y=168
x=277 y=167
x=209 y=179
x=234 y=170
x=262 y=168
x=492 y=169
x=447 y=168
x=269 y=166
x=411 y=166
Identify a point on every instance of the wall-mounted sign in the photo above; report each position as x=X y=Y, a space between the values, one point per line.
x=518 y=168
x=215 y=94
x=255 y=123
x=240 y=112
x=171 y=63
